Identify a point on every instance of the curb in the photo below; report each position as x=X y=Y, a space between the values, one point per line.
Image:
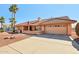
x=75 y=45
x=71 y=38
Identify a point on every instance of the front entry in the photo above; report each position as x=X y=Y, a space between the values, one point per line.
x=30 y=28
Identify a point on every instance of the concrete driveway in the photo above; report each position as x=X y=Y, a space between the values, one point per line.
x=54 y=37
x=44 y=44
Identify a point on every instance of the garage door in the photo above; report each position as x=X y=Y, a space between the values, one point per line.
x=56 y=29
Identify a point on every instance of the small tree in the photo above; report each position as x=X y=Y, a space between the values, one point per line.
x=2 y=20
x=77 y=29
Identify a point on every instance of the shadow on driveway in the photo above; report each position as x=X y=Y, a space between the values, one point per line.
x=52 y=36
x=75 y=45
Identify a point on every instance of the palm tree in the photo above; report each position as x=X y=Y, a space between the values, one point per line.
x=13 y=9
x=2 y=20
x=13 y=21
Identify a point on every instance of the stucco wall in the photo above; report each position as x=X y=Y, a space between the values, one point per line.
x=69 y=29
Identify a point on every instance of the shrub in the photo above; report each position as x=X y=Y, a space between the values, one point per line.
x=77 y=29
x=1 y=30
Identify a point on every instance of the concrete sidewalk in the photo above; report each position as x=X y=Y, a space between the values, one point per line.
x=36 y=45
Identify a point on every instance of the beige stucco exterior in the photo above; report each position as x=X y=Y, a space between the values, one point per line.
x=50 y=26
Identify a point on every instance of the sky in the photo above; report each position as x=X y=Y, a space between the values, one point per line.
x=28 y=12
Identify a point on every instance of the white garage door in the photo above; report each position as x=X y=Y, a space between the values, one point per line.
x=56 y=29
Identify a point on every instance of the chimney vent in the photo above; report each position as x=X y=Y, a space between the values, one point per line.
x=38 y=18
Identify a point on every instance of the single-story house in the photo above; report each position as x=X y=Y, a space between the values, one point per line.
x=58 y=25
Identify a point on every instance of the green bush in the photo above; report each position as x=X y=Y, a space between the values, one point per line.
x=77 y=29
x=1 y=30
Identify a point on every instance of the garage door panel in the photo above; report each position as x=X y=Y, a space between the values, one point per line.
x=55 y=30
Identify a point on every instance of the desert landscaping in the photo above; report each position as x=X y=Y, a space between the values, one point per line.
x=5 y=40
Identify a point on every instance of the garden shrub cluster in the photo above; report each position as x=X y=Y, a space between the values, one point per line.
x=77 y=29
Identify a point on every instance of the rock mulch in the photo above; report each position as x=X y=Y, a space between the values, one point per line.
x=18 y=37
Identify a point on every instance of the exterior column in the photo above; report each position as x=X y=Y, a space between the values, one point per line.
x=33 y=28
x=69 y=29
x=22 y=28
x=28 y=28
x=43 y=29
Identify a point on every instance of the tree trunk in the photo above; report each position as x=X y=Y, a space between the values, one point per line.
x=12 y=26
x=12 y=15
x=14 y=23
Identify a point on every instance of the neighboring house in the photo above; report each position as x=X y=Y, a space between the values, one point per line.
x=59 y=25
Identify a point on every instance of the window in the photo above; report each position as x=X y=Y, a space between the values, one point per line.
x=25 y=27
x=57 y=25
x=62 y=26
x=49 y=25
x=38 y=28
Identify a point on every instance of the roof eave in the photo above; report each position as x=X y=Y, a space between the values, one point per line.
x=73 y=21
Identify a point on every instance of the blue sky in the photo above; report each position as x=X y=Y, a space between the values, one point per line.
x=28 y=12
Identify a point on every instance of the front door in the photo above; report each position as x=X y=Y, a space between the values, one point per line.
x=30 y=28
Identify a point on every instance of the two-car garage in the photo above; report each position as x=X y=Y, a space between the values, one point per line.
x=56 y=29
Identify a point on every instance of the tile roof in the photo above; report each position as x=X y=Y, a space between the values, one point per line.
x=60 y=18
x=37 y=22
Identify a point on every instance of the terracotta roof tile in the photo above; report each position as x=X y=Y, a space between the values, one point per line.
x=37 y=22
